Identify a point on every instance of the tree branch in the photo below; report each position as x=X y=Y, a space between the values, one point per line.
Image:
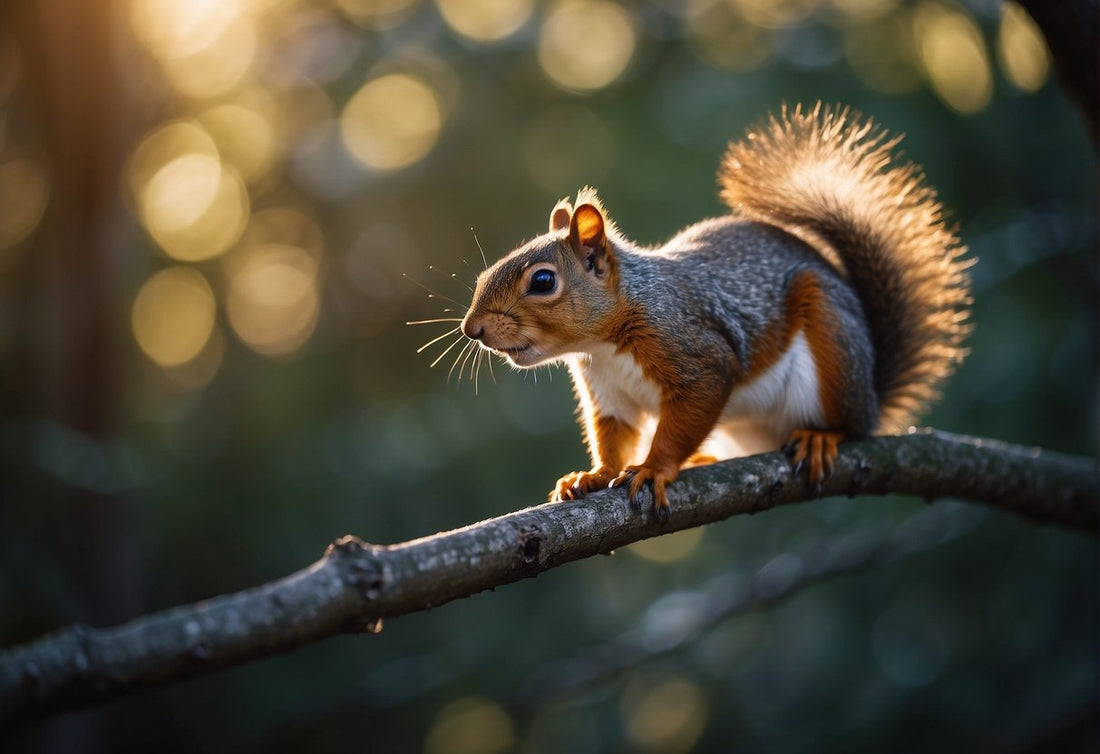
x=355 y=585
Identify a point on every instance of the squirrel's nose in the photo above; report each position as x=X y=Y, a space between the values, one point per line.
x=473 y=329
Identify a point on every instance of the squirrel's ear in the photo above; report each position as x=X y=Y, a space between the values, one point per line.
x=559 y=217
x=588 y=236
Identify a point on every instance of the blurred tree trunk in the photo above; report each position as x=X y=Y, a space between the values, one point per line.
x=70 y=97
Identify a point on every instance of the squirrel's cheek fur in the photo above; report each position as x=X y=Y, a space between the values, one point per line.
x=833 y=300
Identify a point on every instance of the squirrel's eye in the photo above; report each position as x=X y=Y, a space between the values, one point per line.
x=543 y=281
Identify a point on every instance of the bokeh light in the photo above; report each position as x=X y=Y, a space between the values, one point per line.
x=471 y=725
x=724 y=39
x=377 y=14
x=164 y=144
x=486 y=20
x=774 y=14
x=194 y=207
x=245 y=135
x=273 y=300
x=585 y=45
x=1021 y=49
x=663 y=713
x=173 y=316
x=668 y=548
x=204 y=46
x=392 y=122
x=954 y=56
x=24 y=192
x=192 y=204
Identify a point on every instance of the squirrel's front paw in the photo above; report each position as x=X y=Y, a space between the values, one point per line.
x=658 y=478
x=577 y=484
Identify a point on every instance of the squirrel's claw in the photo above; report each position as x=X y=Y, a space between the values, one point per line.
x=638 y=476
x=815 y=449
x=577 y=484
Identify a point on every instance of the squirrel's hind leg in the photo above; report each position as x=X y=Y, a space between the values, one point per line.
x=698 y=458
x=815 y=449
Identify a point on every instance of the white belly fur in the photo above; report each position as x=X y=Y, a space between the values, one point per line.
x=757 y=417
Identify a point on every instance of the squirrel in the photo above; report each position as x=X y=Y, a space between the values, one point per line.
x=830 y=303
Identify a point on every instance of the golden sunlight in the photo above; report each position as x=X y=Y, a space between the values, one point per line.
x=178 y=28
x=173 y=316
x=273 y=301
x=204 y=46
x=1021 y=49
x=585 y=45
x=486 y=20
x=194 y=207
x=392 y=122
x=953 y=53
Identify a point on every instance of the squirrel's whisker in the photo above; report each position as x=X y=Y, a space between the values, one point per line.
x=454 y=363
x=434 y=321
x=436 y=339
x=431 y=293
x=447 y=350
x=483 y=260
x=465 y=359
x=450 y=276
x=492 y=374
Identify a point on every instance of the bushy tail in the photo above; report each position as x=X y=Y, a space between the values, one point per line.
x=829 y=175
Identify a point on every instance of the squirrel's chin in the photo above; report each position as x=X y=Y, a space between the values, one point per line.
x=525 y=357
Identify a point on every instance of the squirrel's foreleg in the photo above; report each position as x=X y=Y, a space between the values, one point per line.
x=611 y=442
x=686 y=418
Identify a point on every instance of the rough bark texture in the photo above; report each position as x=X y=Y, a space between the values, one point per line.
x=355 y=585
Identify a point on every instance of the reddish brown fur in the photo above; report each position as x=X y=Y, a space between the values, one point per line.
x=810 y=312
x=688 y=411
x=614 y=441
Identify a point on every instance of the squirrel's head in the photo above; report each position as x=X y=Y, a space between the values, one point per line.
x=549 y=297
